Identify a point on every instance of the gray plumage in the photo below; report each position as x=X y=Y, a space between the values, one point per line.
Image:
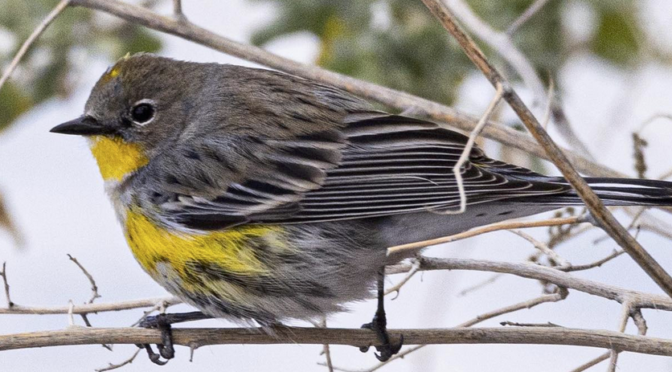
x=231 y=146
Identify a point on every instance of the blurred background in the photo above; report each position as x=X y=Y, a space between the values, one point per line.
x=611 y=63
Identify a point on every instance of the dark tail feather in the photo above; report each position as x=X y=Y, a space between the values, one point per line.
x=622 y=192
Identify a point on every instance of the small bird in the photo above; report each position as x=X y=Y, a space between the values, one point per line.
x=253 y=194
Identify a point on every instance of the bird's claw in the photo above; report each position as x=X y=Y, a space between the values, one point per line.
x=166 y=348
x=386 y=349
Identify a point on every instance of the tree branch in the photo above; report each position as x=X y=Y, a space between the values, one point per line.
x=501 y=42
x=399 y=249
x=89 y=308
x=31 y=39
x=597 y=209
x=538 y=272
x=196 y=337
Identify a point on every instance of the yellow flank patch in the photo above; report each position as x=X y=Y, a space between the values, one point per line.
x=117 y=158
x=231 y=250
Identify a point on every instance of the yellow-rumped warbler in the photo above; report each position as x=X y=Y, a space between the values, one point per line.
x=259 y=195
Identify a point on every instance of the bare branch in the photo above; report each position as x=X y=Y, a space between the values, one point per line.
x=543 y=273
x=517 y=324
x=415 y=266
x=31 y=39
x=90 y=308
x=464 y=157
x=593 y=362
x=10 y=304
x=592 y=265
x=336 y=336
x=94 y=287
x=596 y=207
x=480 y=285
x=553 y=255
x=325 y=348
x=555 y=297
x=639 y=321
x=504 y=46
x=526 y=16
x=119 y=365
x=397 y=249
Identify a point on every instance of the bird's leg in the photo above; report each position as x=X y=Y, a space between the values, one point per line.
x=163 y=323
x=379 y=325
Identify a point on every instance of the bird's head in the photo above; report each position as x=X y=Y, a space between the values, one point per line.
x=137 y=108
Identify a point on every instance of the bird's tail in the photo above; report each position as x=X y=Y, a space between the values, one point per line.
x=623 y=192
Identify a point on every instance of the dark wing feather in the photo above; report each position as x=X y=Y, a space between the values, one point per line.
x=377 y=165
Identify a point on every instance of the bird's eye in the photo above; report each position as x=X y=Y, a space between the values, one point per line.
x=143 y=113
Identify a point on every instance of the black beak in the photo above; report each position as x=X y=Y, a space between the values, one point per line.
x=83 y=126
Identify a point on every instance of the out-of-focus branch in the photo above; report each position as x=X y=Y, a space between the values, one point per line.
x=31 y=39
x=597 y=209
x=5 y=282
x=197 y=337
x=501 y=42
x=526 y=16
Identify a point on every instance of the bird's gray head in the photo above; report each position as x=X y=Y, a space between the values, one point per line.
x=143 y=99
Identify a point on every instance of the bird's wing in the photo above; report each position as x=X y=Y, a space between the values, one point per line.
x=377 y=165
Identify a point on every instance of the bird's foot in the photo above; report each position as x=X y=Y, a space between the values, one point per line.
x=166 y=348
x=387 y=348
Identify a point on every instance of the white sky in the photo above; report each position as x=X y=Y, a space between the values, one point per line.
x=55 y=193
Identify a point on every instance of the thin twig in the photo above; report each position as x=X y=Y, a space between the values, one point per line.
x=555 y=297
x=639 y=321
x=526 y=16
x=613 y=359
x=397 y=249
x=31 y=39
x=415 y=266
x=550 y=98
x=553 y=255
x=480 y=285
x=504 y=46
x=466 y=153
x=635 y=217
x=543 y=273
x=653 y=118
x=94 y=287
x=596 y=207
x=10 y=304
x=89 y=308
x=161 y=305
x=325 y=349
x=592 y=265
x=592 y=362
x=119 y=365
x=517 y=324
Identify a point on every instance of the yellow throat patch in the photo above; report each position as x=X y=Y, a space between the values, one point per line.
x=117 y=158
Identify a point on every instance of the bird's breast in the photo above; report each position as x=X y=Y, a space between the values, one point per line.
x=238 y=251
